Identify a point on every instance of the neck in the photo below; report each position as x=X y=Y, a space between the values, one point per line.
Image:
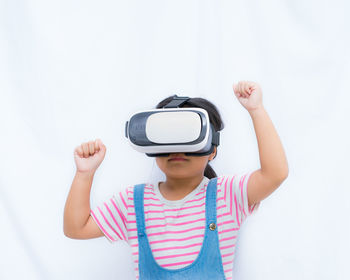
x=178 y=188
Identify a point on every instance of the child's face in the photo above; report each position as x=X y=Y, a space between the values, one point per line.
x=178 y=165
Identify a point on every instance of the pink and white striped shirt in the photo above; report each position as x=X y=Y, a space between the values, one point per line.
x=175 y=229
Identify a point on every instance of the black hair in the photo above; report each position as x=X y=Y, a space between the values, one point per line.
x=214 y=116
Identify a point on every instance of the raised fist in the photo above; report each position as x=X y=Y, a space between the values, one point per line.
x=88 y=156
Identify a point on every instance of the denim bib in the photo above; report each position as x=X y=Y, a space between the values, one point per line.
x=207 y=265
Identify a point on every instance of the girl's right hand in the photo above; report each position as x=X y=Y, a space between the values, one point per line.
x=88 y=156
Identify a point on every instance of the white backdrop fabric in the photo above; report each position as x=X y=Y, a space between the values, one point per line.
x=74 y=71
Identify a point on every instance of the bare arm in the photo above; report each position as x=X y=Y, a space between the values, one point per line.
x=273 y=161
x=78 y=223
x=77 y=209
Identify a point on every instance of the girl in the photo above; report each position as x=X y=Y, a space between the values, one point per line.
x=187 y=226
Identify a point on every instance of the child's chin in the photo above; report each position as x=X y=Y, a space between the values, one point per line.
x=179 y=173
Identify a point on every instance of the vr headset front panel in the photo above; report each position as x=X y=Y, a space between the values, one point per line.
x=149 y=133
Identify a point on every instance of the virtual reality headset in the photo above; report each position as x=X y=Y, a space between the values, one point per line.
x=172 y=129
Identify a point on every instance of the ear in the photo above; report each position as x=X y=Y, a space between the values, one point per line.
x=213 y=154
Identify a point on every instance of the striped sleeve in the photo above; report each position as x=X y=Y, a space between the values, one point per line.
x=237 y=197
x=111 y=216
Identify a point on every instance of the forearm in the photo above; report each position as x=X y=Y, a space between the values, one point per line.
x=273 y=160
x=77 y=208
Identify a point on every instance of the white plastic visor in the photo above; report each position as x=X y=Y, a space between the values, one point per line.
x=173 y=127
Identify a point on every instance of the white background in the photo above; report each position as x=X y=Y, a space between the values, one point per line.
x=73 y=71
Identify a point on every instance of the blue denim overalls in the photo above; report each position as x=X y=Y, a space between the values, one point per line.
x=207 y=265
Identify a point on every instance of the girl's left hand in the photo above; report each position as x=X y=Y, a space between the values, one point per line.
x=249 y=94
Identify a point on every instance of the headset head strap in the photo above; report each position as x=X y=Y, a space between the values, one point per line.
x=177 y=101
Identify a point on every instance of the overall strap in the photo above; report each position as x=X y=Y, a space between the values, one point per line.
x=211 y=202
x=139 y=210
